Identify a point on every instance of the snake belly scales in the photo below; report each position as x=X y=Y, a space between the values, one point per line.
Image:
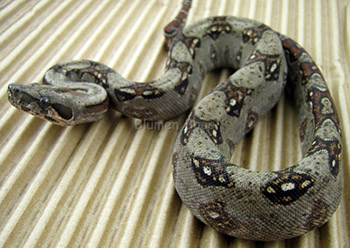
x=233 y=200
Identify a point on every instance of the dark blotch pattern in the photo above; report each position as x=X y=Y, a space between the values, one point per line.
x=287 y=187
x=211 y=172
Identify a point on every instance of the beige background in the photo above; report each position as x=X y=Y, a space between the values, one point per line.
x=109 y=184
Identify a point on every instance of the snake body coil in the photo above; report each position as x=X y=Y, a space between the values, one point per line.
x=236 y=201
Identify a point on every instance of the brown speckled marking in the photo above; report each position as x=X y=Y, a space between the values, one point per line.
x=254 y=34
x=145 y=90
x=292 y=49
x=322 y=106
x=334 y=150
x=272 y=64
x=287 y=187
x=231 y=144
x=192 y=43
x=211 y=172
x=238 y=58
x=213 y=55
x=214 y=214
x=318 y=215
x=89 y=74
x=234 y=98
x=302 y=129
x=251 y=120
x=186 y=71
x=218 y=27
x=211 y=128
x=308 y=69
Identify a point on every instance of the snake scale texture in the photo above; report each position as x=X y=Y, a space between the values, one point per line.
x=233 y=200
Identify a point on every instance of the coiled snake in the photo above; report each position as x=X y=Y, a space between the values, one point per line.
x=233 y=200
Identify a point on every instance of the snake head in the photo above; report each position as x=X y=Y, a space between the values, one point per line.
x=30 y=98
x=61 y=105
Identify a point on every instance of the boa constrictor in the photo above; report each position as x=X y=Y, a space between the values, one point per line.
x=233 y=200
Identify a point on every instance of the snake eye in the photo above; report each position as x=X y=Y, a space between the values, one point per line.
x=44 y=102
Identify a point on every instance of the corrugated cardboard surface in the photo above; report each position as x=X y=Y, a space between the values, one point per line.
x=109 y=184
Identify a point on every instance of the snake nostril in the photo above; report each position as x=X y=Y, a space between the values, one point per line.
x=12 y=89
